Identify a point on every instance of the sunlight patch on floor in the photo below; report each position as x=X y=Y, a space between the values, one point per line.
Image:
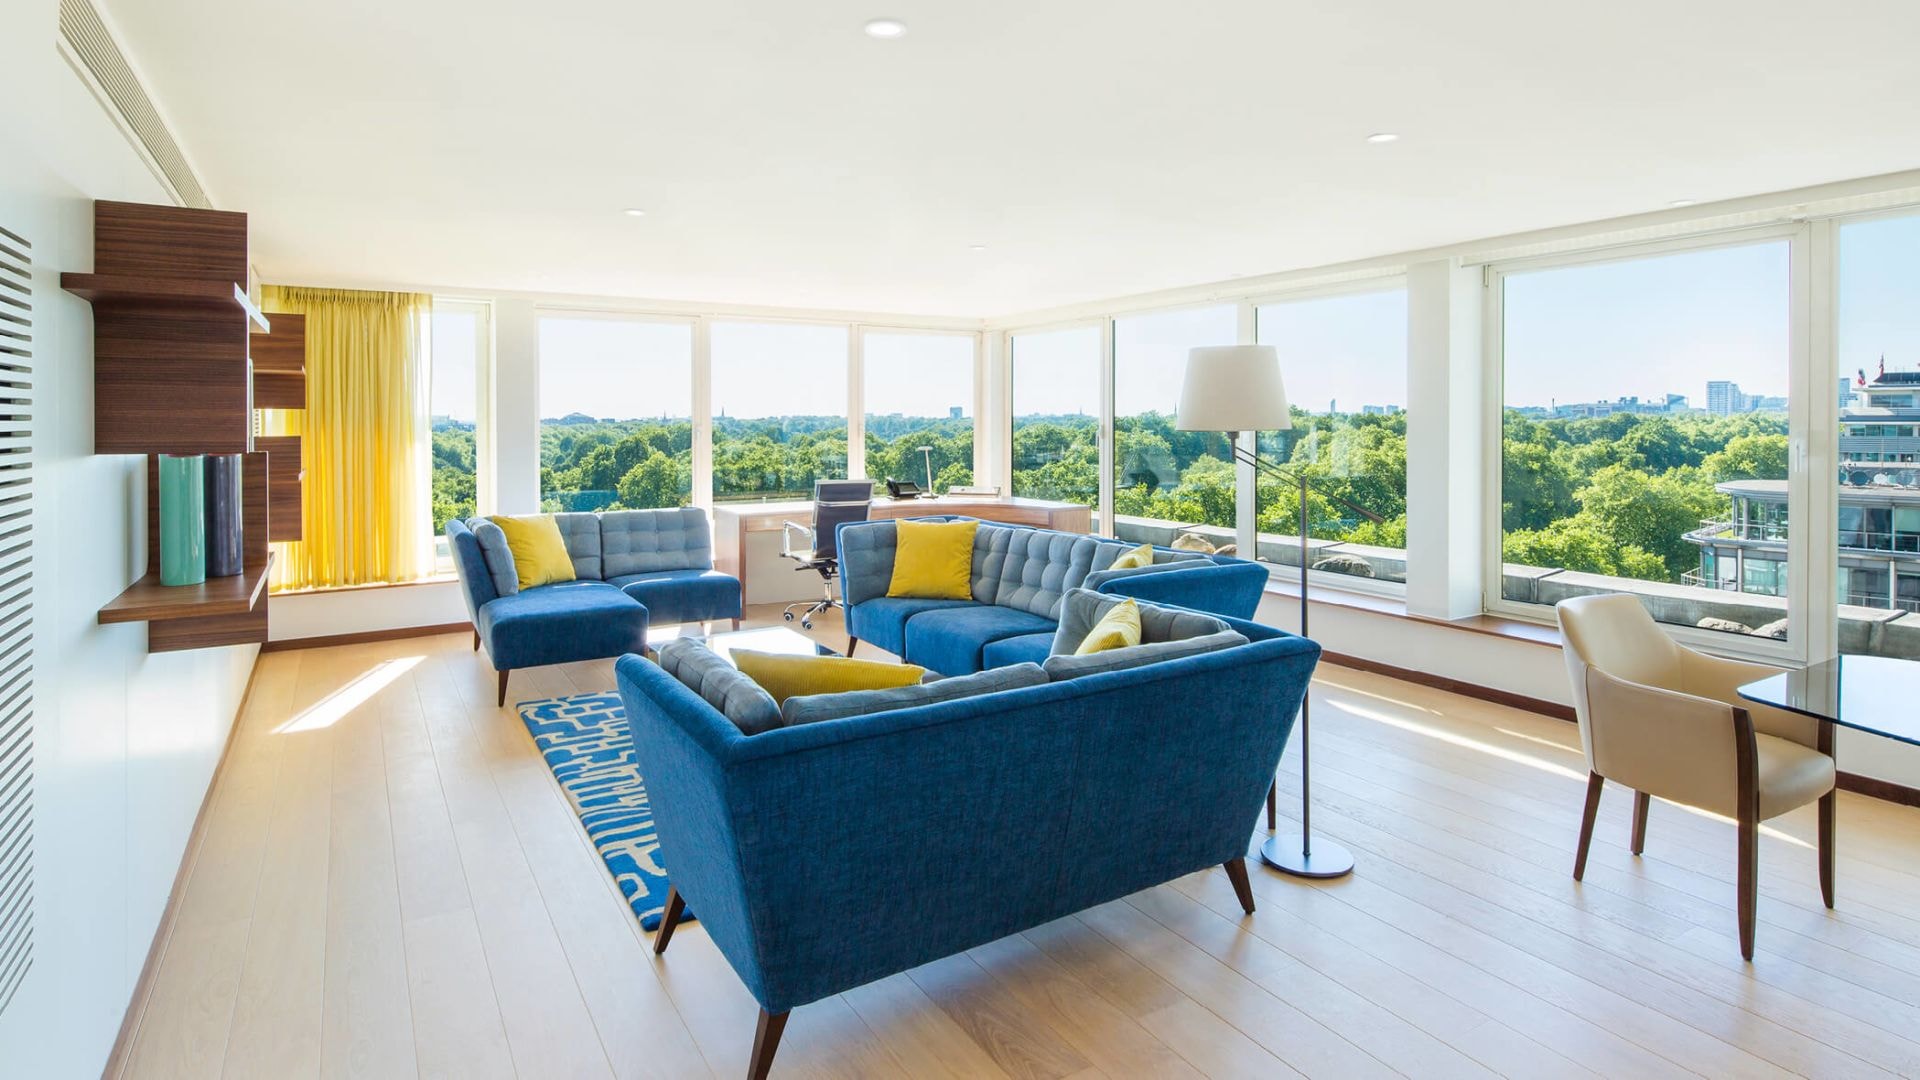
x=340 y=704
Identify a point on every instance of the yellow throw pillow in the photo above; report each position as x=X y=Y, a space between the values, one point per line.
x=1134 y=559
x=539 y=554
x=784 y=675
x=1117 y=629
x=934 y=560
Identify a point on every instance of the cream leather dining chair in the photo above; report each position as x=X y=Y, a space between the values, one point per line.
x=1667 y=722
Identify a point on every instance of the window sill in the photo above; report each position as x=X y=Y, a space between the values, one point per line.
x=1501 y=626
x=436 y=579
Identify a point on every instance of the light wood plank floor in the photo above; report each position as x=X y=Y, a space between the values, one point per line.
x=390 y=884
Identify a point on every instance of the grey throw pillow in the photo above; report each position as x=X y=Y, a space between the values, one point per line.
x=1132 y=656
x=496 y=554
x=1080 y=609
x=815 y=707
x=720 y=684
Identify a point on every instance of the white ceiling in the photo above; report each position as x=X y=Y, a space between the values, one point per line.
x=1097 y=147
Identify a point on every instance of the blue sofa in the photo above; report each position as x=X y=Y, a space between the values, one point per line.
x=829 y=854
x=1019 y=576
x=632 y=568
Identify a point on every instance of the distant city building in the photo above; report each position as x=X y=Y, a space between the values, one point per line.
x=1380 y=410
x=1724 y=398
x=1668 y=403
x=953 y=412
x=1846 y=391
x=1879 y=506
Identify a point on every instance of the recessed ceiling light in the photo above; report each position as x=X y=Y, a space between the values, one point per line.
x=1379 y=137
x=976 y=247
x=885 y=28
x=1681 y=202
x=634 y=211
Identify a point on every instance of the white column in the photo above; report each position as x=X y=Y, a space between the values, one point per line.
x=992 y=418
x=702 y=478
x=1447 y=443
x=1246 y=491
x=516 y=406
x=856 y=402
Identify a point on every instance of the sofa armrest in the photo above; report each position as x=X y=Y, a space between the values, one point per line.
x=1231 y=589
x=865 y=550
x=470 y=566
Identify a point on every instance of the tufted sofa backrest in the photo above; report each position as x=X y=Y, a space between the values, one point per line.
x=642 y=541
x=1029 y=569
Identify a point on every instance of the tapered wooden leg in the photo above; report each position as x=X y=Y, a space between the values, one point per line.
x=766 y=1040
x=1829 y=806
x=476 y=641
x=1749 y=878
x=1641 y=800
x=1242 y=888
x=670 y=918
x=1273 y=805
x=852 y=644
x=503 y=688
x=736 y=624
x=1595 y=782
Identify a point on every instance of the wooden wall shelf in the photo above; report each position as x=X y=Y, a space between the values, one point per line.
x=280 y=364
x=147 y=600
x=127 y=290
x=286 y=475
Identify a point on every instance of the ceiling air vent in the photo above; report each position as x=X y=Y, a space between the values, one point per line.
x=90 y=46
x=16 y=613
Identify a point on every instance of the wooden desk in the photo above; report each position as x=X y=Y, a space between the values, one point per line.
x=732 y=522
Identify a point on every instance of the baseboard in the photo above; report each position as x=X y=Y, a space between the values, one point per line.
x=143 y=986
x=1885 y=790
x=365 y=636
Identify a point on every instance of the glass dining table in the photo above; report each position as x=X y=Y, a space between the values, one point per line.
x=1879 y=695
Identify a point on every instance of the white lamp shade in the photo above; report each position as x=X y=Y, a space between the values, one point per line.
x=1233 y=388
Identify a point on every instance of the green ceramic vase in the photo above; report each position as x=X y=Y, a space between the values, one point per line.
x=183 y=519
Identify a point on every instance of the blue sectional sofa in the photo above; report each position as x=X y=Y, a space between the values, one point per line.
x=1019 y=576
x=825 y=855
x=632 y=568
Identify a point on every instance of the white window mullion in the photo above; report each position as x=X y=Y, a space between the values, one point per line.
x=856 y=403
x=1813 y=549
x=1109 y=453
x=702 y=479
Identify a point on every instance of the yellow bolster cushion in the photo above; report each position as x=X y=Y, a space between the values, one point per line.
x=933 y=560
x=539 y=554
x=1117 y=629
x=784 y=675
x=1134 y=559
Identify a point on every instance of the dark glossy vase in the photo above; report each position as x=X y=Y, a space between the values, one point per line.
x=226 y=531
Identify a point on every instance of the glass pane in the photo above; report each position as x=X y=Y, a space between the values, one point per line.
x=1167 y=482
x=919 y=403
x=1056 y=415
x=1645 y=436
x=1879 y=452
x=455 y=398
x=779 y=409
x=616 y=407
x=1344 y=361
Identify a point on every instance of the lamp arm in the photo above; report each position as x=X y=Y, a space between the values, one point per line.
x=1291 y=475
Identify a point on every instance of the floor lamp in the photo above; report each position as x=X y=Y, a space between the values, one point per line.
x=1235 y=388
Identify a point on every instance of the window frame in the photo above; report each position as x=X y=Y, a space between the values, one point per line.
x=485 y=480
x=857 y=369
x=1810 y=581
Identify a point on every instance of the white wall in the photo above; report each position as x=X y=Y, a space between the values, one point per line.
x=125 y=743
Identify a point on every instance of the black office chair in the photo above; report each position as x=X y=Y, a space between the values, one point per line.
x=835 y=502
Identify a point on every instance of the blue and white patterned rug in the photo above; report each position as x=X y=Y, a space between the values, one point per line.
x=584 y=739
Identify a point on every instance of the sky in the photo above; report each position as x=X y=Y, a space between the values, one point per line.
x=1645 y=326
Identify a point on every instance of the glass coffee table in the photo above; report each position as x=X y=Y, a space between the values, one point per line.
x=767 y=639
x=1874 y=694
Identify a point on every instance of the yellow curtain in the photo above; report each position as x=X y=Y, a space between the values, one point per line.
x=361 y=436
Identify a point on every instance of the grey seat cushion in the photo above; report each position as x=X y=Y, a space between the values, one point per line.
x=641 y=541
x=495 y=553
x=581 y=533
x=1165 y=634
x=720 y=684
x=815 y=707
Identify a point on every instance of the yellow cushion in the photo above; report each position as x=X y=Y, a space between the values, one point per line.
x=784 y=675
x=539 y=554
x=934 y=560
x=1134 y=559
x=1118 y=628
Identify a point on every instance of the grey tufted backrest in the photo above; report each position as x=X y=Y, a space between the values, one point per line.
x=581 y=532
x=1029 y=569
x=642 y=541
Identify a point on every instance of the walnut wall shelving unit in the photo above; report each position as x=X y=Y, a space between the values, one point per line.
x=173 y=374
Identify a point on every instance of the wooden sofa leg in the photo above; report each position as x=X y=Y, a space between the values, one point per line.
x=1273 y=805
x=476 y=641
x=852 y=644
x=736 y=624
x=1595 y=782
x=503 y=689
x=766 y=1040
x=670 y=918
x=1641 y=800
x=1242 y=888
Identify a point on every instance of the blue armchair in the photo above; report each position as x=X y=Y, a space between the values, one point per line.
x=807 y=851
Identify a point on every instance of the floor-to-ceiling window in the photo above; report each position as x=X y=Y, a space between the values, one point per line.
x=1167 y=481
x=1644 y=433
x=779 y=408
x=919 y=407
x=1343 y=359
x=616 y=409
x=461 y=346
x=1877 y=588
x=1055 y=411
